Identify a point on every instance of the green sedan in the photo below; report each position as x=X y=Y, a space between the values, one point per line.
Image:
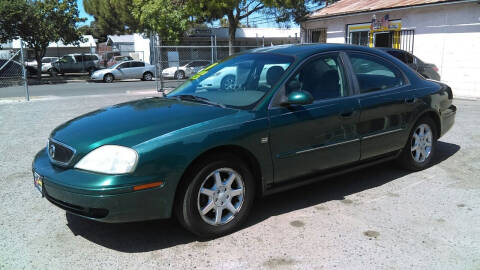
x=292 y=115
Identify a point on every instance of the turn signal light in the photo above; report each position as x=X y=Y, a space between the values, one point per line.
x=145 y=186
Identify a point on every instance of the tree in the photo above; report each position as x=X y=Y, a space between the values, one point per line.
x=236 y=10
x=38 y=23
x=111 y=17
x=168 y=18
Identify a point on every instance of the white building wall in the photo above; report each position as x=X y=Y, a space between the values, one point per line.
x=142 y=44
x=446 y=35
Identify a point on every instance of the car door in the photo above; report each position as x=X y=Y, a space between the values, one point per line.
x=67 y=64
x=387 y=102
x=307 y=139
x=123 y=71
x=137 y=69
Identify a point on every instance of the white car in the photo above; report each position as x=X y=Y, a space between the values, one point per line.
x=46 y=63
x=185 y=71
x=226 y=78
x=125 y=70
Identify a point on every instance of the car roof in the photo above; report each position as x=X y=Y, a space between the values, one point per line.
x=305 y=50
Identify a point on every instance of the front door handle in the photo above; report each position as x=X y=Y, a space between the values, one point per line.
x=347 y=114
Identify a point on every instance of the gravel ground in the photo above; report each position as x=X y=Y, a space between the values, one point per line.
x=378 y=218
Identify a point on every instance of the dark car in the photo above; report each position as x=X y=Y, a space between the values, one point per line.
x=203 y=154
x=76 y=63
x=429 y=71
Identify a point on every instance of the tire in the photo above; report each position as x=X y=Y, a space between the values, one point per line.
x=179 y=75
x=228 y=82
x=108 y=78
x=420 y=148
x=52 y=71
x=235 y=201
x=147 y=76
x=91 y=70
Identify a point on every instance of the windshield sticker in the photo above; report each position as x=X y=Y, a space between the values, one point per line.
x=203 y=71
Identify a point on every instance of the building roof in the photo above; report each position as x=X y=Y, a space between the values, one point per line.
x=121 y=38
x=254 y=32
x=344 y=7
x=88 y=41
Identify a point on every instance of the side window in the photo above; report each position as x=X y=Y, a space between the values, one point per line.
x=78 y=58
x=138 y=64
x=323 y=77
x=408 y=58
x=124 y=65
x=374 y=73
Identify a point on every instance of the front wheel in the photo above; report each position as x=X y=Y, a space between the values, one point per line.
x=218 y=198
x=108 y=78
x=420 y=149
x=228 y=82
x=179 y=75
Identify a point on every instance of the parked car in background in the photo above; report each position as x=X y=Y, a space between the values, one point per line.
x=46 y=63
x=204 y=155
x=125 y=70
x=186 y=70
x=429 y=71
x=118 y=59
x=76 y=63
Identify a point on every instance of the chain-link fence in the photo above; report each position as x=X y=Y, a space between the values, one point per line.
x=11 y=69
x=175 y=64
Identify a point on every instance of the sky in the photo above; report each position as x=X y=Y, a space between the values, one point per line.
x=84 y=14
x=258 y=20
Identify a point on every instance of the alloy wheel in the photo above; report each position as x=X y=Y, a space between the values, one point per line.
x=421 y=145
x=221 y=196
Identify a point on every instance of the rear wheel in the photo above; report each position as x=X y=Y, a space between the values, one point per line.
x=91 y=70
x=420 y=148
x=52 y=71
x=147 y=76
x=108 y=78
x=218 y=198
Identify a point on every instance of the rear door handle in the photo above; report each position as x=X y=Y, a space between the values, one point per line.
x=410 y=100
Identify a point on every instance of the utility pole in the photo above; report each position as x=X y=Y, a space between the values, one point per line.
x=25 y=80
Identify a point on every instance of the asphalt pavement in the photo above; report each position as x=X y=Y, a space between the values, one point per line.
x=81 y=88
x=381 y=217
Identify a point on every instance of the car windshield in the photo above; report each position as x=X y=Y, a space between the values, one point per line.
x=238 y=81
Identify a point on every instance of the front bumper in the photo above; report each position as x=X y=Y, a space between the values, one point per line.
x=106 y=204
x=96 y=77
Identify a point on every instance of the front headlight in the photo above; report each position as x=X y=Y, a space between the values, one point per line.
x=109 y=159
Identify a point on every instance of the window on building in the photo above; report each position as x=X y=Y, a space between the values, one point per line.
x=319 y=35
x=359 y=38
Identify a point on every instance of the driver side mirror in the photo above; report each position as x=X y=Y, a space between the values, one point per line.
x=299 y=97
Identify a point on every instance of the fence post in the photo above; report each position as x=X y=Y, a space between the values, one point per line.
x=25 y=81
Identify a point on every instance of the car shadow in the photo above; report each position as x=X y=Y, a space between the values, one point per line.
x=159 y=234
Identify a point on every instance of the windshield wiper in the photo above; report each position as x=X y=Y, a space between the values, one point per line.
x=199 y=99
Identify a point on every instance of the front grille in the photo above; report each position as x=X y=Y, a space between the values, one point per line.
x=59 y=153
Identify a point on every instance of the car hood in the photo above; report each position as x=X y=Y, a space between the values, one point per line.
x=134 y=122
x=104 y=71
